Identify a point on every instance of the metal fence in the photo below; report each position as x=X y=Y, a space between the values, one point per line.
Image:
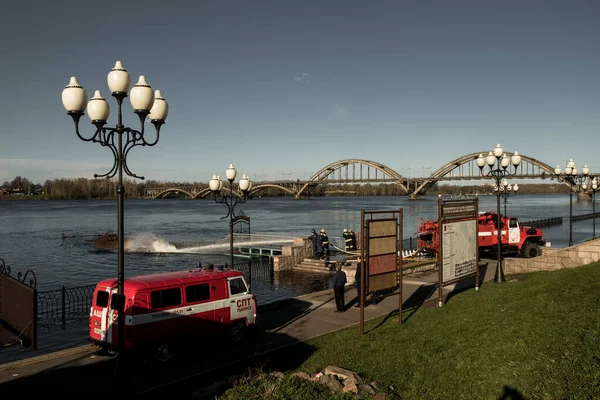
x=409 y=244
x=538 y=223
x=259 y=269
x=64 y=304
x=582 y=217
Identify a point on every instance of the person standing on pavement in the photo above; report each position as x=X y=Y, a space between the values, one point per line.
x=338 y=282
x=325 y=242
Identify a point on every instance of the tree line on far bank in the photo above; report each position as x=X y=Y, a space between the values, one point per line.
x=90 y=189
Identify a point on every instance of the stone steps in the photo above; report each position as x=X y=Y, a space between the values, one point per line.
x=316 y=265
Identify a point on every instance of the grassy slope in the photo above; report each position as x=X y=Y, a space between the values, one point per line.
x=539 y=336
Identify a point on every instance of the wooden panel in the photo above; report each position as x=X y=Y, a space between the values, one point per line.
x=382 y=264
x=384 y=245
x=383 y=281
x=384 y=227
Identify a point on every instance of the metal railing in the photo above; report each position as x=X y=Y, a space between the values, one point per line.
x=259 y=269
x=409 y=244
x=64 y=304
x=582 y=217
x=543 y=222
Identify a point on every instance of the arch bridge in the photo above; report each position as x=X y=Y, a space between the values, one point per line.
x=358 y=171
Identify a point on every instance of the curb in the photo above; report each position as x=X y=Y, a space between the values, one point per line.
x=88 y=348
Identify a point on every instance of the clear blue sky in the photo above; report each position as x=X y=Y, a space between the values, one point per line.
x=283 y=88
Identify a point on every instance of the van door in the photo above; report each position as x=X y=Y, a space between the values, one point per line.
x=242 y=302
x=102 y=316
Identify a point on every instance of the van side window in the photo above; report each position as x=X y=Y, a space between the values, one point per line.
x=165 y=298
x=237 y=286
x=197 y=293
x=102 y=299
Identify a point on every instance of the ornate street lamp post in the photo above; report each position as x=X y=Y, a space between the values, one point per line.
x=498 y=168
x=506 y=190
x=594 y=190
x=216 y=185
x=572 y=179
x=146 y=104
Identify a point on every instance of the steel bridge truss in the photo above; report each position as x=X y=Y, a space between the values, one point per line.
x=365 y=171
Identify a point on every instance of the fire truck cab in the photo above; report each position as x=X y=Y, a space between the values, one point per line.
x=165 y=309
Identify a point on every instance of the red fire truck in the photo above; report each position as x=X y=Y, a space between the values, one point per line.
x=516 y=240
x=168 y=308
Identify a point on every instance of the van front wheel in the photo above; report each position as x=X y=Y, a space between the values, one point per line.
x=164 y=353
x=237 y=331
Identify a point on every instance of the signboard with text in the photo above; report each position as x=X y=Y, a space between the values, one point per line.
x=458 y=256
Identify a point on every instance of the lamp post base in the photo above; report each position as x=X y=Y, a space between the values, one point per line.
x=499 y=275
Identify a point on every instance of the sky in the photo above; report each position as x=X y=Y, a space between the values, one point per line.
x=283 y=88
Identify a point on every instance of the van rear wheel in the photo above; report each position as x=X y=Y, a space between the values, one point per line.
x=164 y=353
x=237 y=332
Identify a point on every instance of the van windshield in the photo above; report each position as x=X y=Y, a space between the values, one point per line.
x=237 y=286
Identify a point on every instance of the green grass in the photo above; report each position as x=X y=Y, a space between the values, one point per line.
x=538 y=334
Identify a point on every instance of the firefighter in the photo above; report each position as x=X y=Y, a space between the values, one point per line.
x=325 y=242
x=347 y=239
x=316 y=244
x=353 y=237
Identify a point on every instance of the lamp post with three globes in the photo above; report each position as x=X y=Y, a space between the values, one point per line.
x=146 y=104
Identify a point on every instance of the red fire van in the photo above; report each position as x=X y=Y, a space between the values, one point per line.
x=167 y=308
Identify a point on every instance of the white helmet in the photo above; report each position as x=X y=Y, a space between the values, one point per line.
x=345 y=230
x=322 y=230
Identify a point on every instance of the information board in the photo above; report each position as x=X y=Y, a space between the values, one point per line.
x=459 y=250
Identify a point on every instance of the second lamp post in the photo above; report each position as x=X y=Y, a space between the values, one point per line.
x=498 y=163
x=572 y=179
x=506 y=190
x=216 y=185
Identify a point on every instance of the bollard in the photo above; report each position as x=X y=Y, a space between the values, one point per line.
x=271 y=269
x=63 y=318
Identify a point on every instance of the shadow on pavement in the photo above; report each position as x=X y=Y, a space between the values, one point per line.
x=205 y=360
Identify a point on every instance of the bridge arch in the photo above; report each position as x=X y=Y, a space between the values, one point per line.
x=173 y=190
x=258 y=188
x=470 y=159
x=388 y=174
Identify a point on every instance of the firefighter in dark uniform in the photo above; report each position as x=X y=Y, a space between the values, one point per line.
x=347 y=239
x=325 y=243
x=316 y=244
x=353 y=239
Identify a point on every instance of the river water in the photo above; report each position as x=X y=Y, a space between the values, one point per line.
x=31 y=232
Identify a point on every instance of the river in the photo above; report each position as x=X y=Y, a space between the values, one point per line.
x=31 y=232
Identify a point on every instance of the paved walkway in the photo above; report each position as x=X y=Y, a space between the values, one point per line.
x=81 y=370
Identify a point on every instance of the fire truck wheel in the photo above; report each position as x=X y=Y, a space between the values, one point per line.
x=236 y=334
x=164 y=353
x=530 y=250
